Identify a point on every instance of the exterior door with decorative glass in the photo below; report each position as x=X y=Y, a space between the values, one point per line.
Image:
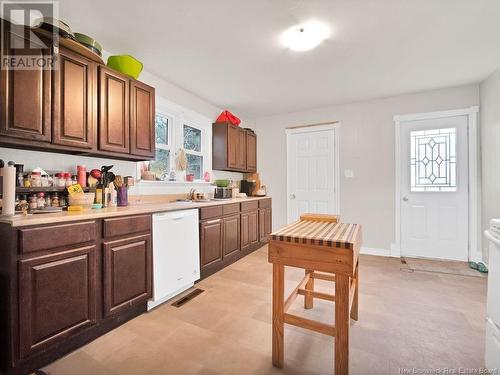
x=434 y=188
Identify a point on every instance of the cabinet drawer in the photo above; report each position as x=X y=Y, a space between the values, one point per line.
x=44 y=238
x=229 y=209
x=249 y=206
x=265 y=203
x=121 y=226
x=209 y=212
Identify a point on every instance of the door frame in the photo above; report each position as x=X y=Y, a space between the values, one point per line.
x=474 y=243
x=334 y=125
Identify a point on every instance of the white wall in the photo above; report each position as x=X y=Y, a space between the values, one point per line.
x=366 y=147
x=490 y=146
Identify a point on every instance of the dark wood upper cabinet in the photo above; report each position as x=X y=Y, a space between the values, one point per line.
x=127 y=273
x=114 y=125
x=142 y=119
x=231 y=149
x=210 y=242
x=56 y=297
x=74 y=96
x=231 y=231
x=25 y=99
x=251 y=148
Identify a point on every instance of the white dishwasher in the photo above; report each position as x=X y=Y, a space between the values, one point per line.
x=176 y=256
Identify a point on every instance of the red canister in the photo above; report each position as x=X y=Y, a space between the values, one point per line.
x=81 y=175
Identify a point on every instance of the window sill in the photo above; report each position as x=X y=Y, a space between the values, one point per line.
x=196 y=182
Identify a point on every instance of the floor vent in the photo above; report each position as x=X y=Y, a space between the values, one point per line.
x=188 y=297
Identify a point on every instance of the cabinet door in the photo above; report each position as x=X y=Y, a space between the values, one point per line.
x=114 y=129
x=231 y=230
x=265 y=224
x=249 y=229
x=142 y=119
x=25 y=99
x=233 y=151
x=127 y=273
x=75 y=112
x=251 y=147
x=242 y=149
x=211 y=242
x=57 y=297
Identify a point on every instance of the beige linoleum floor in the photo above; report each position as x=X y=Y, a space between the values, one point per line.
x=406 y=320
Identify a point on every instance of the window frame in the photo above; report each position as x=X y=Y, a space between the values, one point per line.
x=178 y=117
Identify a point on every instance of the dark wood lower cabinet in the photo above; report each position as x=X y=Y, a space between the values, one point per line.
x=65 y=284
x=249 y=229
x=127 y=273
x=231 y=230
x=57 y=294
x=265 y=224
x=210 y=242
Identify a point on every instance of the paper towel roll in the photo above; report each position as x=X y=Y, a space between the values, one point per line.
x=9 y=190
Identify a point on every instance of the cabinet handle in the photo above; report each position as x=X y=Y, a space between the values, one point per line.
x=212 y=221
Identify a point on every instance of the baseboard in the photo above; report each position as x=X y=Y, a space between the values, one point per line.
x=375 y=251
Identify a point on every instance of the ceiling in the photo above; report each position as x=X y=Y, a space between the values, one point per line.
x=228 y=53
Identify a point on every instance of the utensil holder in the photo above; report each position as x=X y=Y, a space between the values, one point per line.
x=122 y=196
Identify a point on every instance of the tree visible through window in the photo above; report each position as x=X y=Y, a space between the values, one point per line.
x=193 y=138
x=161 y=165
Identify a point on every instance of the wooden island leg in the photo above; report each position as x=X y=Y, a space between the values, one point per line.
x=278 y=320
x=354 y=308
x=308 y=298
x=342 y=283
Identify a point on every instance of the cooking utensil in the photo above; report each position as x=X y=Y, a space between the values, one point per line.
x=118 y=181
x=55 y=25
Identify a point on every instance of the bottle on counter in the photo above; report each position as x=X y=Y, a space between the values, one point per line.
x=68 y=179
x=54 y=202
x=81 y=173
x=27 y=181
x=32 y=202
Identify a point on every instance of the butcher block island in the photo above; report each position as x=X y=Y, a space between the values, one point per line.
x=327 y=250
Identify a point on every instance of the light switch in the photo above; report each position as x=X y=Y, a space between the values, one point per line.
x=348 y=173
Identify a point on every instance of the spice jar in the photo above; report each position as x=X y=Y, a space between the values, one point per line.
x=59 y=180
x=32 y=202
x=55 y=200
x=40 y=202
x=44 y=180
x=36 y=179
x=68 y=181
x=27 y=181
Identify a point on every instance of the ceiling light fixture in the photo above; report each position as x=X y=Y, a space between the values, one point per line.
x=305 y=36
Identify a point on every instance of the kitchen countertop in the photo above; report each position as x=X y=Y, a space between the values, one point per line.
x=140 y=208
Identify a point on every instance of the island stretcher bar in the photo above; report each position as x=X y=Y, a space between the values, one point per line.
x=327 y=250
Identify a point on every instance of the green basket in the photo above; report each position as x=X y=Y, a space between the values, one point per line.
x=125 y=64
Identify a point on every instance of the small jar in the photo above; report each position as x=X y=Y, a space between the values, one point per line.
x=68 y=181
x=62 y=201
x=55 y=200
x=59 y=180
x=32 y=202
x=74 y=180
x=36 y=179
x=27 y=181
x=44 y=180
x=40 y=201
x=20 y=179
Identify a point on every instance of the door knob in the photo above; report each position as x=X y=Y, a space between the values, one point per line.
x=292 y=196
x=405 y=199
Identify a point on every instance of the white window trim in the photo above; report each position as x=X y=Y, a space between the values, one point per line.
x=180 y=116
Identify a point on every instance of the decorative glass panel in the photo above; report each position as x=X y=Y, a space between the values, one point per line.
x=192 y=138
x=434 y=160
x=194 y=165
x=161 y=125
x=161 y=165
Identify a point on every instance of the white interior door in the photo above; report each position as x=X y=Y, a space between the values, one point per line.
x=311 y=172
x=434 y=188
